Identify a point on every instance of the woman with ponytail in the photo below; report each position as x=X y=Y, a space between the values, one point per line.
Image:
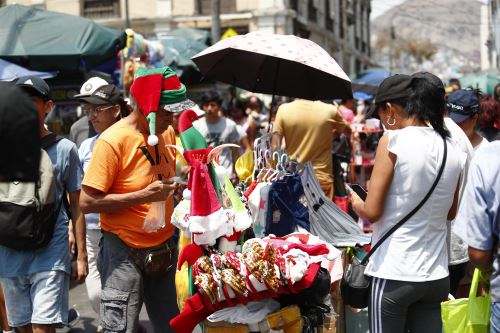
x=410 y=268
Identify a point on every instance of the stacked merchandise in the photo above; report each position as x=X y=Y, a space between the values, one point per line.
x=244 y=276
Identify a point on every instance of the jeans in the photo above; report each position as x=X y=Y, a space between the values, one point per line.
x=38 y=298
x=125 y=287
x=495 y=318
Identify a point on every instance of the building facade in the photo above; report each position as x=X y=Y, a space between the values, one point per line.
x=341 y=27
x=490 y=52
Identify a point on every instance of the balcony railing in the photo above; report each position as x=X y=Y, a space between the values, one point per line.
x=101 y=9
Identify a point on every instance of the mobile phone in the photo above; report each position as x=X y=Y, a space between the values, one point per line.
x=179 y=180
x=358 y=190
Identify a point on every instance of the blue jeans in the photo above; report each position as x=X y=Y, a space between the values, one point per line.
x=38 y=298
x=495 y=318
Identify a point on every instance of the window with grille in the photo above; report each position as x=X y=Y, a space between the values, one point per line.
x=341 y=19
x=312 y=12
x=328 y=16
x=99 y=9
x=205 y=7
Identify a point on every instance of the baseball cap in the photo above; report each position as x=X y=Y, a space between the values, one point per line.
x=429 y=77
x=108 y=94
x=35 y=84
x=90 y=86
x=393 y=87
x=462 y=104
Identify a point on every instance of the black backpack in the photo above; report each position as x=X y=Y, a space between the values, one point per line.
x=28 y=210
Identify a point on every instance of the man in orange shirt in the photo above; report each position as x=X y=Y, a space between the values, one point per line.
x=127 y=182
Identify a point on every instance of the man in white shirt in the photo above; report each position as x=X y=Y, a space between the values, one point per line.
x=219 y=130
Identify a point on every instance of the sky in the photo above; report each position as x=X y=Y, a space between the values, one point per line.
x=380 y=6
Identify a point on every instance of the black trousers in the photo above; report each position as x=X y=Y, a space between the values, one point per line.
x=401 y=306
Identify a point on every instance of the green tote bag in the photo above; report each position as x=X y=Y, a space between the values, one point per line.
x=467 y=315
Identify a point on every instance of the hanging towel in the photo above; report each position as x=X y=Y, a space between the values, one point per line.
x=327 y=220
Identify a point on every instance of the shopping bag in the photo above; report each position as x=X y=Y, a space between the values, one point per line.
x=467 y=315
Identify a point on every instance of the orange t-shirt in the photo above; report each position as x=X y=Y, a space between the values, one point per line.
x=119 y=165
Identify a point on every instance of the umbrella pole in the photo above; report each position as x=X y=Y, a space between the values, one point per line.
x=270 y=125
x=273 y=99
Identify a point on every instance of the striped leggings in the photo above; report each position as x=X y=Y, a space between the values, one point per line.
x=401 y=306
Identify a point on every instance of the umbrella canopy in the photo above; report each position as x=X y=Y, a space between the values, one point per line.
x=201 y=36
x=360 y=95
x=368 y=81
x=484 y=81
x=44 y=40
x=179 y=51
x=373 y=77
x=282 y=65
x=10 y=71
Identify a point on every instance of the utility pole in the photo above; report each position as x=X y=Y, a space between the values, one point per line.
x=127 y=17
x=215 y=21
x=391 y=47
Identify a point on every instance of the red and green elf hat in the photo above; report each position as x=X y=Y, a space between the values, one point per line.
x=157 y=89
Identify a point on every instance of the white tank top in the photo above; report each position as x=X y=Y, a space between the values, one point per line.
x=417 y=251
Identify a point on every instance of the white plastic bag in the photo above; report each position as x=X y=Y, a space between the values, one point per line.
x=155 y=220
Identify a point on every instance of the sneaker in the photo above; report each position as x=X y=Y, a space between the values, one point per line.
x=73 y=319
x=99 y=329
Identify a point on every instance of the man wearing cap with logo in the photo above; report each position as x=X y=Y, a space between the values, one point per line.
x=463 y=109
x=104 y=107
x=128 y=176
x=36 y=282
x=82 y=128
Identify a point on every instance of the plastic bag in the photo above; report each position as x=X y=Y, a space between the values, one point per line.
x=244 y=166
x=155 y=220
x=467 y=315
x=182 y=277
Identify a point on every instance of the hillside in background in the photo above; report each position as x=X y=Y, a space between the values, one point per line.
x=445 y=31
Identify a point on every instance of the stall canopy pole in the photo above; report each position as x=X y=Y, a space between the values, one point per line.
x=127 y=17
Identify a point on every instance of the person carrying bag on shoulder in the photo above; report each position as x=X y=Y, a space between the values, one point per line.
x=412 y=191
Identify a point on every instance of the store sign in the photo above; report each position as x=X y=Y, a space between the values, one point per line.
x=230 y=32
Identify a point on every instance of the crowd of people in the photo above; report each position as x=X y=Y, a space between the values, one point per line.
x=116 y=166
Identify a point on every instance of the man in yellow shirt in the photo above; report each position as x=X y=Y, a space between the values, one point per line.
x=307 y=128
x=127 y=181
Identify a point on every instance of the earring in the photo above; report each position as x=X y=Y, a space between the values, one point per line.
x=393 y=121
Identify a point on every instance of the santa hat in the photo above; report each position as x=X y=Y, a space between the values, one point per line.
x=192 y=139
x=157 y=87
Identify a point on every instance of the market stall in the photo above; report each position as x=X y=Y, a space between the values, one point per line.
x=251 y=260
x=33 y=38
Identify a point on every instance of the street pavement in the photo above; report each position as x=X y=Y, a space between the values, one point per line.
x=88 y=319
